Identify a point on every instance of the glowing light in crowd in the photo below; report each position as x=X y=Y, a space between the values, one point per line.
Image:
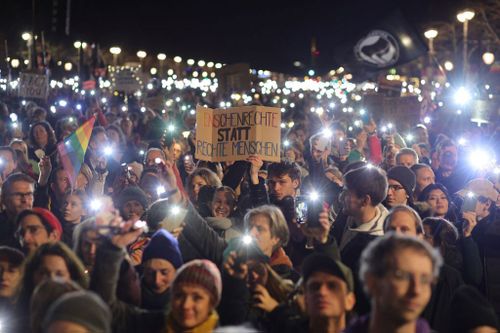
x=448 y=65
x=488 y=58
x=462 y=141
x=13 y=117
x=427 y=120
x=115 y=50
x=177 y=59
x=314 y=196
x=141 y=54
x=462 y=96
x=175 y=210
x=26 y=36
x=63 y=103
x=95 y=204
x=190 y=62
x=160 y=190
x=161 y=56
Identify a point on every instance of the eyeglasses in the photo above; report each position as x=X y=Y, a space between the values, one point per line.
x=407 y=277
x=396 y=187
x=20 y=195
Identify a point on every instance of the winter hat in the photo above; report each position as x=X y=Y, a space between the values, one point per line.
x=404 y=176
x=12 y=255
x=319 y=262
x=480 y=187
x=163 y=246
x=81 y=307
x=203 y=273
x=132 y=193
x=471 y=310
x=48 y=218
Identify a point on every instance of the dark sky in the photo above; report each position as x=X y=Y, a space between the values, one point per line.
x=268 y=34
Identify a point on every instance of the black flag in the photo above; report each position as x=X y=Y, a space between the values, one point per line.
x=390 y=42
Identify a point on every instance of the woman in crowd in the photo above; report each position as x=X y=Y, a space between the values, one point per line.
x=198 y=178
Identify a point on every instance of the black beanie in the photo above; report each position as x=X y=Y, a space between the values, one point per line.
x=163 y=245
x=470 y=310
x=132 y=193
x=404 y=176
x=84 y=308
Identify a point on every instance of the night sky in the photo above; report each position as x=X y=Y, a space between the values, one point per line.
x=267 y=34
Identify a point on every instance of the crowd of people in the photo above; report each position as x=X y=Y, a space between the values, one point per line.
x=357 y=229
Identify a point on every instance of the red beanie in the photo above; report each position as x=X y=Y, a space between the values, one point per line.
x=50 y=219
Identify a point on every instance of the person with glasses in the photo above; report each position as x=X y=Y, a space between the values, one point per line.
x=401 y=182
x=17 y=195
x=398 y=273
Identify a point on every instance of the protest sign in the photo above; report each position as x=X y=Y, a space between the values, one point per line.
x=125 y=79
x=234 y=134
x=33 y=85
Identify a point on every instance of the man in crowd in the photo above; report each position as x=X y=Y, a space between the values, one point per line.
x=401 y=184
x=17 y=195
x=398 y=273
x=448 y=172
x=8 y=162
x=424 y=176
x=362 y=219
x=406 y=157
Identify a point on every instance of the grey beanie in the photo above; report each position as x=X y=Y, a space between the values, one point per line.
x=84 y=308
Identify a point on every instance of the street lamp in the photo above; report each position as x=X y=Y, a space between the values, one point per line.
x=448 y=65
x=430 y=35
x=464 y=17
x=79 y=44
x=488 y=58
x=115 y=51
x=28 y=38
x=15 y=63
x=161 y=57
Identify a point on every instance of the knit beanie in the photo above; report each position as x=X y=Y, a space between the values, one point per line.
x=50 y=219
x=163 y=246
x=203 y=273
x=471 y=310
x=404 y=176
x=84 y=308
x=132 y=193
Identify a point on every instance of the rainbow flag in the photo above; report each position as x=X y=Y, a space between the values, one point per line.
x=72 y=149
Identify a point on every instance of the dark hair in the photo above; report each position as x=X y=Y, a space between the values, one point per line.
x=96 y=131
x=11 y=150
x=424 y=196
x=50 y=134
x=48 y=227
x=118 y=130
x=353 y=165
x=445 y=236
x=284 y=168
x=368 y=180
x=13 y=178
x=419 y=166
x=12 y=255
x=75 y=266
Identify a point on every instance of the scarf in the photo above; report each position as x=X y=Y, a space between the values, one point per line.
x=206 y=327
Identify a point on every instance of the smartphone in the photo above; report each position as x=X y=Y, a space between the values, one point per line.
x=307 y=210
x=469 y=204
x=125 y=170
